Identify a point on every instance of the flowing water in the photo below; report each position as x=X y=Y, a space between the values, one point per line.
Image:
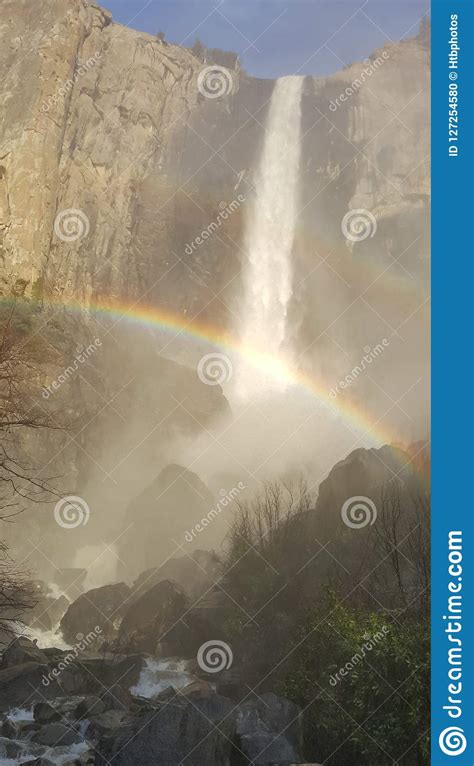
x=269 y=237
x=158 y=675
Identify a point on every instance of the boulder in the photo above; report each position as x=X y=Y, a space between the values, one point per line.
x=199 y=732
x=56 y=735
x=150 y=618
x=91 y=705
x=270 y=730
x=108 y=722
x=174 y=502
x=194 y=573
x=44 y=713
x=262 y=749
x=38 y=762
x=25 y=682
x=94 y=676
x=22 y=650
x=9 y=729
x=96 y=609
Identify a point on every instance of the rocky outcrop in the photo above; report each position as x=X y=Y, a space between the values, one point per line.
x=96 y=611
x=147 y=621
x=174 y=502
x=22 y=650
x=194 y=573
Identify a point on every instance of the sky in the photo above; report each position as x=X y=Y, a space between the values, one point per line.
x=278 y=37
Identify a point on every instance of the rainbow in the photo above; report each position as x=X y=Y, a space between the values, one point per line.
x=196 y=330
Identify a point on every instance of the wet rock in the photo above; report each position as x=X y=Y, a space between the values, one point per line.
x=108 y=722
x=200 y=732
x=44 y=713
x=56 y=735
x=9 y=748
x=270 y=730
x=193 y=573
x=262 y=749
x=38 y=762
x=9 y=729
x=20 y=651
x=94 y=611
x=25 y=682
x=89 y=706
x=149 y=619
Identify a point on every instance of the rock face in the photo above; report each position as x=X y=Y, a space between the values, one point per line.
x=92 y=109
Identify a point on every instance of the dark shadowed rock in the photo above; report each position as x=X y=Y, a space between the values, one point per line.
x=56 y=735
x=22 y=683
x=9 y=729
x=194 y=574
x=107 y=723
x=44 y=713
x=201 y=733
x=91 y=705
x=98 y=608
x=149 y=619
x=270 y=730
x=22 y=650
x=174 y=502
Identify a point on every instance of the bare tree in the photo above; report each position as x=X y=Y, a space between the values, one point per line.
x=22 y=355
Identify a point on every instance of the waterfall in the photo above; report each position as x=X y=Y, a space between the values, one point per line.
x=269 y=235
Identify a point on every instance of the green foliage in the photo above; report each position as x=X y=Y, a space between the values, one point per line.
x=290 y=635
x=363 y=681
